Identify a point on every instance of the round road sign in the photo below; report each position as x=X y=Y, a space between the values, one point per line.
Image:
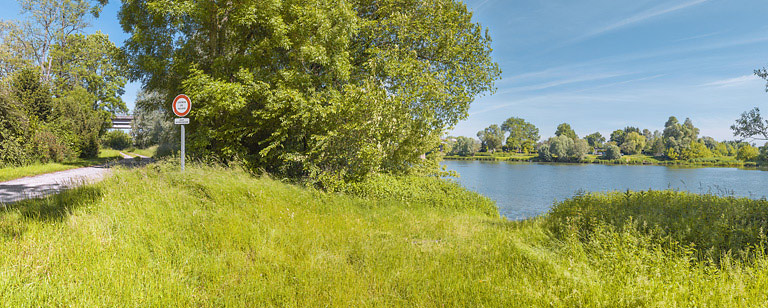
x=182 y=105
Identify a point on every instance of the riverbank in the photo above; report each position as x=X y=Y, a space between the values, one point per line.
x=221 y=237
x=624 y=160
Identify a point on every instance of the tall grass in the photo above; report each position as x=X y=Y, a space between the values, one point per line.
x=713 y=225
x=220 y=237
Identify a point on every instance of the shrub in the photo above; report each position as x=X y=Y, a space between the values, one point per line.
x=116 y=139
x=611 y=152
x=747 y=153
x=48 y=147
x=714 y=225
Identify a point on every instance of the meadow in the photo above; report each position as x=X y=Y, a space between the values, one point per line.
x=216 y=236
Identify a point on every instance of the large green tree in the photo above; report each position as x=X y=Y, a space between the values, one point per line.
x=595 y=140
x=330 y=90
x=565 y=129
x=679 y=137
x=491 y=138
x=464 y=146
x=93 y=63
x=521 y=134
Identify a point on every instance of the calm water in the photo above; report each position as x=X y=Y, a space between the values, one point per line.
x=523 y=190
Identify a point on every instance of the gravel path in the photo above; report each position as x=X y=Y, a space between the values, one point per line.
x=51 y=183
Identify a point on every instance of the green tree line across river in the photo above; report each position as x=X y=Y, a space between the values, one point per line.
x=677 y=142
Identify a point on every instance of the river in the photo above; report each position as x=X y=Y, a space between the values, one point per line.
x=524 y=190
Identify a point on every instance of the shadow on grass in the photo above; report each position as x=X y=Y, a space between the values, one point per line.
x=15 y=217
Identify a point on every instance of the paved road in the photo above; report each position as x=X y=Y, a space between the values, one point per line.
x=46 y=184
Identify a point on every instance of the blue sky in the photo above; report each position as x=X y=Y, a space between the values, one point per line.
x=603 y=64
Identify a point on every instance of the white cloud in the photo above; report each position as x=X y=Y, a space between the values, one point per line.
x=731 y=82
x=561 y=82
x=648 y=14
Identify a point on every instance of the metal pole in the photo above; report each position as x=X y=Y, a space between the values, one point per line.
x=182 y=147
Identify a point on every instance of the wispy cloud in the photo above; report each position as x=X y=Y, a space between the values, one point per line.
x=731 y=82
x=696 y=37
x=648 y=14
x=556 y=83
x=623 y=82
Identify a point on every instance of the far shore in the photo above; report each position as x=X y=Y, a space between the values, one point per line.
x=644 y=160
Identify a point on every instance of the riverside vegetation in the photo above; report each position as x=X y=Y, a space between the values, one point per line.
x=217 y=236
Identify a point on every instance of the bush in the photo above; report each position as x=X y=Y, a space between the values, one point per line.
x=48 y=147
x=747 y=153
x=714 y=225
x=611 y=152
x=116 y=139
x=431 y=191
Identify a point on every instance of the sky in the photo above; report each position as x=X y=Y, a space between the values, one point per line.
x=601 y=65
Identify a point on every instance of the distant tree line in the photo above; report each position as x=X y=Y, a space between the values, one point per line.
x=58 y=86
x=677 y=141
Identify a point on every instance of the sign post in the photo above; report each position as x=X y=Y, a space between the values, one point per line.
x=181 y=107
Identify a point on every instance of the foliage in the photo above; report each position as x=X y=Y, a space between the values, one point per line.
x=563 y=149
x=49 y=22
x=92 y=63
x=153 y=126
x=333 y=91
x=544 y=153
x=617 y=136
x=464 y=146
x=696 y=150
x=559 y=147
x=595 y=140
x=747 y=153
x=716 y=226
x=83 y=124
x=611 y=152
x=491 y=138
x=633 y=143
x=565 y=129
x=32 y=94
x=522 y=135
x=61 y=85
x=117 y=140
x=751 y=125
x=13 y=132
x=578 y=151
x=678 y=138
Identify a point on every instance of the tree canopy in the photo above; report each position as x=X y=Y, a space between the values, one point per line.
x=521 y=134
x=330 y=90
x=565 y=129
x=491 y=138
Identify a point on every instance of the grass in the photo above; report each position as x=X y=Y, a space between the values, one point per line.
x=10 y=173
x=220 y=237
x=148 y=152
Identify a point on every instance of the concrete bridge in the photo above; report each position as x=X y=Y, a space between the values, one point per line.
x=122 y=121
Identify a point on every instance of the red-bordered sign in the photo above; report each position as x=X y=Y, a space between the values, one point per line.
x=182 y=105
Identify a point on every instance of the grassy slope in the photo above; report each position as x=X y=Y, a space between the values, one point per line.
x=216 y=237
x=11 y=173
